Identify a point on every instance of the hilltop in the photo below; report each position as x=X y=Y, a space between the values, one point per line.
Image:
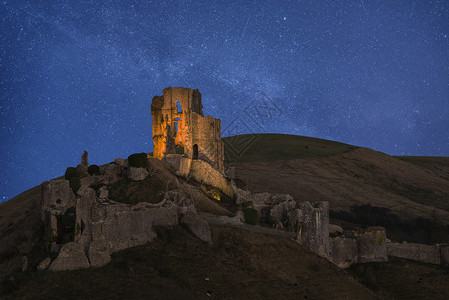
x=363 y=187
x=407 y=195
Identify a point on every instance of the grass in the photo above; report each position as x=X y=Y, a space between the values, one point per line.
x=404 y=279
x=272 y=147
x=239 y=265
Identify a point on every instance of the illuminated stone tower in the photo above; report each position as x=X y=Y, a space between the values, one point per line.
x=180 y=128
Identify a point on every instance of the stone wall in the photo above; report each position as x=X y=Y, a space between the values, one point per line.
x=102 y=226
x=372 y=245
x=417 y=252
x=343 y=251
x=204 y=173
x=314 y=226
x=179 y=127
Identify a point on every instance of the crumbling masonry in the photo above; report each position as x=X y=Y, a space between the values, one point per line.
x=180 y=128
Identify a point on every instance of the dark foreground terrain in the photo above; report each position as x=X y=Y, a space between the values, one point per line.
x=240 y=265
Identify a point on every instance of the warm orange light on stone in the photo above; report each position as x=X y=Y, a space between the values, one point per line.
x=179 y=127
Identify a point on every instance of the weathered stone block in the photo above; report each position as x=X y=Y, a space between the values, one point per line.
x=121 y=162
x=103 y=193
x=417 y=252
x=197 y=226
x=242 y=196
x=137 y=174
x=314 y=222
x=174 y=160
x=85 y=205
x=71 y=257
x=285 y=204
x=204 y=172
x=372 y=245
x=110 y=173
x=82 y=170
x=343 y=251
x=58 y=195
x=99 y=253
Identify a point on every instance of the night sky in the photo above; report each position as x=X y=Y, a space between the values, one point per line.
x=80 y=75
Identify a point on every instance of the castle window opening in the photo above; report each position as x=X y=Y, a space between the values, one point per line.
x=176 y=124
x=179 y=107
x=195 y=151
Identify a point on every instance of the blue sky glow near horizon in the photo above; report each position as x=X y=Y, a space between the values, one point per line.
x=80 y=75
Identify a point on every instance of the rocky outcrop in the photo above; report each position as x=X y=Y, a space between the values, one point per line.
x=71 y=257
x=197 y=226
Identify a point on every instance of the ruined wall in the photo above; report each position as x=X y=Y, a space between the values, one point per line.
x=372 y=245
x=417 y=252
x=344 y=251
x=204 y=173
x=314 y=222
x=179 y=126
x=86 y=227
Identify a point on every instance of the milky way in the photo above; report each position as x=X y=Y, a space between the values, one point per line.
x=80 y=75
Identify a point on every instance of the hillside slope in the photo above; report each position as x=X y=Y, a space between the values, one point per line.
x=240 y=265
x=243 y=264
x=346 y=176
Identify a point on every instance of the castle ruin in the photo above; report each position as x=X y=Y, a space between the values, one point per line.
x=181 y=129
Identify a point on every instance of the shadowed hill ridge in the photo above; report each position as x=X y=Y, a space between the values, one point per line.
x=272 y=147
x=346 y=176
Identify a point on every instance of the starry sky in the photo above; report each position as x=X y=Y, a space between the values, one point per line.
x=80 y=75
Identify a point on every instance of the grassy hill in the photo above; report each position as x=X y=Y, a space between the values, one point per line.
x=240 y=265
x=408 y=195
x=272 y=147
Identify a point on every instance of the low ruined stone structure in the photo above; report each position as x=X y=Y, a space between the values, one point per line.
x=418 y=252
x=85 y=226
x=181 y=129
x=314 y=226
